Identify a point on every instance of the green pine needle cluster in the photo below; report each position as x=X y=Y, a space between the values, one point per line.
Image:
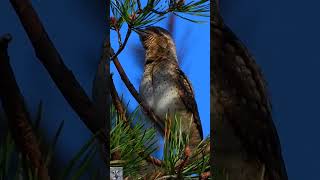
x=130 y=145
x=128 y=11
x=139 y=16
x=176 y=151
x=16 y=167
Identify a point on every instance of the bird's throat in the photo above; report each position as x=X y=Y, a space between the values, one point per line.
x=159 y=54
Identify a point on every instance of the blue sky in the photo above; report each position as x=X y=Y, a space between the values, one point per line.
x=193 y=40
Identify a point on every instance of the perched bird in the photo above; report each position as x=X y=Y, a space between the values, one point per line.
x=164 y=86
x=246 y=143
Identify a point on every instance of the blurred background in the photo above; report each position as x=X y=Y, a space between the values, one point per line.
x=283 y=36
x=77 y=28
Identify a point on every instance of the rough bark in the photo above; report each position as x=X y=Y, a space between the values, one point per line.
x=17 y=114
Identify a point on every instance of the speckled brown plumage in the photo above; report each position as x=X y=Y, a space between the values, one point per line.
x=246 y=143
x=165 y=87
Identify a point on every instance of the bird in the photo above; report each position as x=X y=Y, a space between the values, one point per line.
x=246 y=145
x=164 y=86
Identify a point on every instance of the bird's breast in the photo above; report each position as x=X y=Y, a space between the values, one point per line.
x=159 y=89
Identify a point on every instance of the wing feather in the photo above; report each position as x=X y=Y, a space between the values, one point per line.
x=241 y=92
x=186 y=94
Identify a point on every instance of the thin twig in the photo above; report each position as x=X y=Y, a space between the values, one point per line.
x=158 y=123
x=149 y=7
x=154 y=176
x=139 y=6
x=119 y=37
x=121 y=47
x=17 y=114
x=117 y=102
x=161 y=13
x=187 y=153
x=120 y=109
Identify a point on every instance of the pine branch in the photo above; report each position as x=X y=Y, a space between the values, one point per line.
x=117 y=102
x=121 y=45
x=131 y=147
x=121 y=110
x=158 y=123
x=17 y=113
x=179 y=159
x=60 y=74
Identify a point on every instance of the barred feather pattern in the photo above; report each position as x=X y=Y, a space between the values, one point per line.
x=169 y=92
x=246 y=143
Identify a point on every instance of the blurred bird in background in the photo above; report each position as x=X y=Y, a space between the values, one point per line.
x=246 y=143
x=164 y=86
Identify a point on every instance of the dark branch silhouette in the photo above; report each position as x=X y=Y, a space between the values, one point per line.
x=100 y=96
x=60 y=74
x=17 y=114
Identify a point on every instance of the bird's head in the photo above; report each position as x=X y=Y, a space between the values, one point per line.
x=157 y=40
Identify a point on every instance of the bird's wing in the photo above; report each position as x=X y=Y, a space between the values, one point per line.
x=244 y=100
x=187 y=96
